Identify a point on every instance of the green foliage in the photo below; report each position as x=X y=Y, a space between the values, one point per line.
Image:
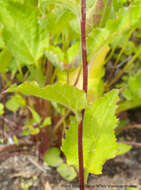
x=123 y=148
x=21 y=21
x=96 y=72
x=131 y=92
x=33 y=126
x=15 y=102
x=5 y=58
x=55 y=56
x=36 y=73
x=129 y=188
x=30 y=129
x=134 y=86
x=66 y=95
x=26 y=185
x=46 y=122
x=52 y=157
x=67 y=172
x=132 y=188
x=15 y=139
x=99 y=142
x=35 y=115
x=1 y=109
x=69 y=5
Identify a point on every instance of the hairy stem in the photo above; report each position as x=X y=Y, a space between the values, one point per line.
x=85 y=87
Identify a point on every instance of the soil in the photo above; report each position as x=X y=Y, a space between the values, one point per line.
x=26 y=172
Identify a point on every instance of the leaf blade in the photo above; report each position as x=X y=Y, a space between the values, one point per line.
x=66 y=95
x=21 y=21
x=95 y=137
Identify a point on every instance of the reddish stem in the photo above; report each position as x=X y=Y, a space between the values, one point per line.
x=80 y=152
x=3 y=157
x=138 y=126
x=83 y=45
x=4 y=104
x=85 y=87
x=131 y=143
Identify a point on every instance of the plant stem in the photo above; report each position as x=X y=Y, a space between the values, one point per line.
x=119 y=56
x=77 y=78
x=4 y=105
x=137 y=126
x=117 y=77
x=83 y=45
x=61 y=120
x=80 y=152
x=131 y=143
x=85 y=87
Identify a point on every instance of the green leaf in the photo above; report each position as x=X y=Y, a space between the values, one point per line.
x=132 y=93
x=35 y=115
x=67 y=4
x=2 y=45
x=56 y=56
x=52 y=157
x=73 y=51
x=30 y=129
x=126 y=93
x=127 y=105
x=66 y=95
x=107 y=13
x=12 y=104
x=61 y=14
x=123 y=148
x=120 y=23
x=46 y=122
x=137 y=3
x=96 y=72
x=1 y=109
x=23 y=35
x=5 y=60
x=97 y=43
x=15 y=102
x=99 y=142
x=15 y=139
x=67 y=172
x=126 y=18
x=36 y=73
x=117 y=4
x=135 y=85
x=132 y=188
x=30 y=2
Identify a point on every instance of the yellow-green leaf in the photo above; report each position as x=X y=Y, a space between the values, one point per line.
x=22 y=33
x=66 y=95
x=99 y=141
